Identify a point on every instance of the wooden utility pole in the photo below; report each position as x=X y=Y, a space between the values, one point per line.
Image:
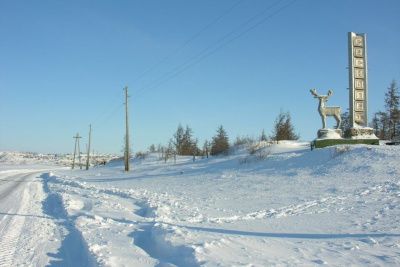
x=77 y=137
x=126 y=131
x=88 y=148
x=79 y=155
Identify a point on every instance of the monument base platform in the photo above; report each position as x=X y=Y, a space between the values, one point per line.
x=361 y=132
x=356 y=135
x=329 y=133
x=319 y=143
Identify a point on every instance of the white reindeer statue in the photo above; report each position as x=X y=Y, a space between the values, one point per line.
x=327 y=111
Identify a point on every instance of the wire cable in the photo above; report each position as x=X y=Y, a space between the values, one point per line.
x=188 y=41
x=103 y=115
x=212 y=49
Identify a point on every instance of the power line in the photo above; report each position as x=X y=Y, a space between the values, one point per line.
x=188 y=41
x=104 y=113
x=222 y=42
x=231 y=36
x=107 y=114
x=165 y=58
x=206 y=52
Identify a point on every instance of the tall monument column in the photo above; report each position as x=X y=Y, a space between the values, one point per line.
x=358 y=80
x=358 y=87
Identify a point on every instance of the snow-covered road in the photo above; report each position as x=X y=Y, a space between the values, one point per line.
x=11 y=185
x=12 y=204
x=29 y=236
x=18 y=191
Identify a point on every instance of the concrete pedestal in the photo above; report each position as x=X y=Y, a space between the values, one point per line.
x=326 y=137
x=362 y=133
x=329 y=134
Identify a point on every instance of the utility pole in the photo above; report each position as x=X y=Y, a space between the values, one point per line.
x=88 y=148
x=79 y=155
x=126 y=131
x=77 y=137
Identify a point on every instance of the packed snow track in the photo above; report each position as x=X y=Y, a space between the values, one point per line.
x=15 y=189
x=32 y=232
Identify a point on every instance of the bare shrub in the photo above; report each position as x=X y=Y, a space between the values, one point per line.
x=256 y=154
x=257 y=146
x=263 y=154
x=252 y=150
x=244 y=160
x=141 y=155
x=243 y=140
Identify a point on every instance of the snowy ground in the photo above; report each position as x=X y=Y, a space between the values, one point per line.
x=285 y=206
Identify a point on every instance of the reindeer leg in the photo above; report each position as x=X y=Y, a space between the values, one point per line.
x=338 y=121
x=323 y=122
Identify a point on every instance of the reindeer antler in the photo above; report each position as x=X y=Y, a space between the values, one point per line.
x=314 y=92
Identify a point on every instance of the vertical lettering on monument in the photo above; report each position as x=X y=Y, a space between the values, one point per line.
x=357 y=79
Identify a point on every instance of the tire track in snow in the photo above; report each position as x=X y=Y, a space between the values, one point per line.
x=308 y=207
x=11 y=232
x=8 y=244
x=150 y=211
x=390 y=194
x=74 y=250
x=11 y=184
x=322 y=205
x=9 y=241
x=151 y=236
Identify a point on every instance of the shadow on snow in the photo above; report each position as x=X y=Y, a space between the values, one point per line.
x=287 y=235
x=152 y=241
x=73 y=250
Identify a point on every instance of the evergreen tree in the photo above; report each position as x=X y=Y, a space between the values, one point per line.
x=263 y=137
x=220 y=142
x=392 y=100
x=345 y=124
x=178 y=139
x=152 y=148
x=283 y=128
x=169 y=151
x=375 y=124
x=185 y=144
x=381 y=125
x=188 y=143
x=387 y=123
x=206 y=148
x=195 y=149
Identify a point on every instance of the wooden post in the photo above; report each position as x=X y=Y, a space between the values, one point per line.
x=126 y=131
x=77 y=137
x=79 y=154
x=88 y=148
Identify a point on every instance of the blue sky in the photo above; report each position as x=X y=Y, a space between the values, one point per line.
x=63 y=65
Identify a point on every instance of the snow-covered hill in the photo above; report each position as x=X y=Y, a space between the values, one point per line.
x=30 y=158
x=282 y=205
